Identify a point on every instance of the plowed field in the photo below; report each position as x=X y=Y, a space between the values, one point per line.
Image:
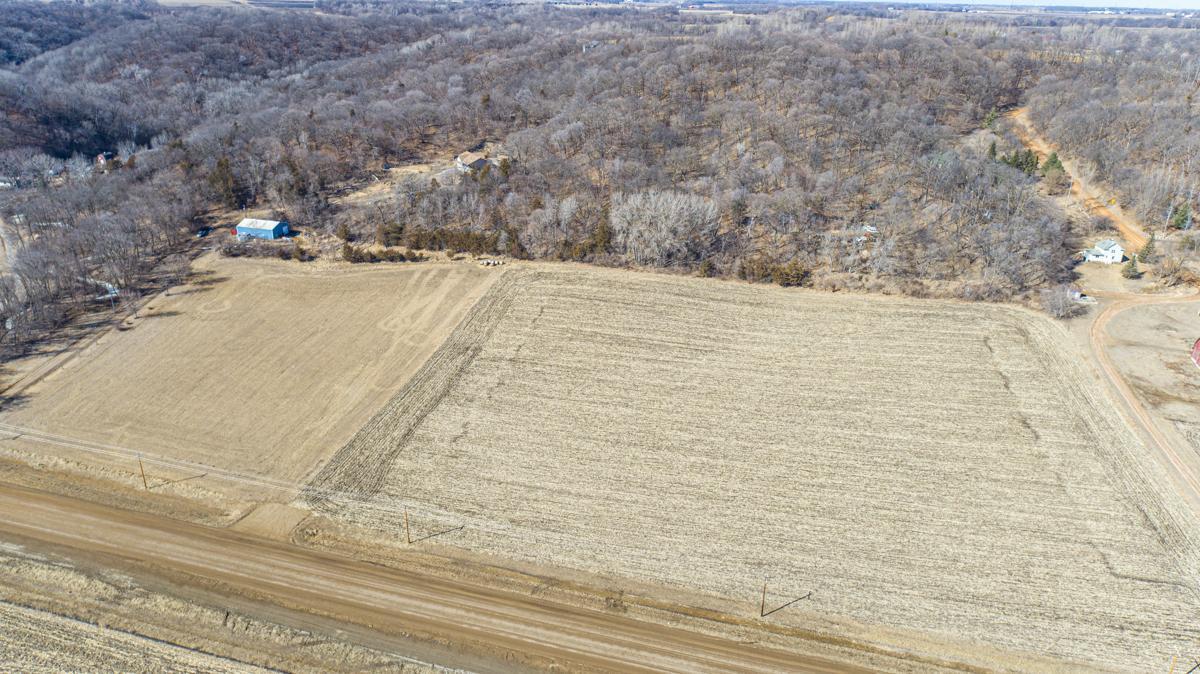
x=918 y=465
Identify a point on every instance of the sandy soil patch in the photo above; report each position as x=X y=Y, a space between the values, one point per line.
x=1151 y=346
x=933 y=466
x=272 y=520
x=255 y=368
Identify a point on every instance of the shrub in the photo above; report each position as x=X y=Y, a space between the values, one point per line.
x=790 y=274
x=351 y=253
x=1131 y=270
x=1059 y=302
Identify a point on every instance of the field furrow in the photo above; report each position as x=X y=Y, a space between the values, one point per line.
x=917 y=465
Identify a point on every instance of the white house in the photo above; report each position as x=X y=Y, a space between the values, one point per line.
x=1107 y=251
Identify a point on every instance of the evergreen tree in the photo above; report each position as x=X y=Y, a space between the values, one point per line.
x=221 y=181
x=1147 y=252
x=990 y=119
x=992 y=151
x=1025 y=160
x=1053 y=163
x=601 y=237
x=1180 y=215
x=1131 y=270
x=1029 y=162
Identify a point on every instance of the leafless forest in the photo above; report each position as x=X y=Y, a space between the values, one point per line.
x=804 y=146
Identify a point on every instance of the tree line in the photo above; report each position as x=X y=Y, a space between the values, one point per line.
x=801 y=145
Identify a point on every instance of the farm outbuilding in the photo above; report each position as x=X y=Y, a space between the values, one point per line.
x=263 y=229
x=1196 y=353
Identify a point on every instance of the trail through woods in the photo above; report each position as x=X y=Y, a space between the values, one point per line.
x=1093 y=199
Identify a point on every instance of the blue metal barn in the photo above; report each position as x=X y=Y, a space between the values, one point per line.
x=263 y=229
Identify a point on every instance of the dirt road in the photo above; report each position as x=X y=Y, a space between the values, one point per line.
x=1094 y=200
x=1183 y=462
x=520 y=631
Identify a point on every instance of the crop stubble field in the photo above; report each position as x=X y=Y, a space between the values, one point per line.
x=917 y=465
x=37 y=641
x=255 y=367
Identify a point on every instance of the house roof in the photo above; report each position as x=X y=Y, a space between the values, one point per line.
x=255 y=223
x=471 y=157
x=1108 y=245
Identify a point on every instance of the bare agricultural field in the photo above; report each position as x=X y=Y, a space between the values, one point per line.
x=924 y=466
x=37 y=641
x=254 y=367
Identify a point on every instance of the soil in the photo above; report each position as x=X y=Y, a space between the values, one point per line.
x=941 y=476
x=916 y=465
x=1150 y=345
x=244 y=378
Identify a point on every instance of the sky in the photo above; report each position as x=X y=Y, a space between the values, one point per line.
x=1112 y=4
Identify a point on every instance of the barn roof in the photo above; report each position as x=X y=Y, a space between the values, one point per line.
x=256 y=223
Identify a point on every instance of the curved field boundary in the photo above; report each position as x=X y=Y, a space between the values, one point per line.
x=359 y=468
x=1136 y=473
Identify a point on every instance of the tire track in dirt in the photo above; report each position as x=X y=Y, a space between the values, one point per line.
x=1098 y=334
x=361 y=465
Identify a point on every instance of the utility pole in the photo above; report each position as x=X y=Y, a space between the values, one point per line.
x=142 y=470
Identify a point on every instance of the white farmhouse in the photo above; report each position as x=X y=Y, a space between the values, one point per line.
x=1107 y=251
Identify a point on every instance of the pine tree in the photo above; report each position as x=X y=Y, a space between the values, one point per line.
x=601 y=237
x=990 y=120
x=1147 y=252
x=1029 y=162
x=1053 y=163
x=1131 y=270
x=221 y=181
x=1180 y=216
x=992 y=151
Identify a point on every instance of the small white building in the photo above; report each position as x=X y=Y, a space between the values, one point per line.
x=1107 y=251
